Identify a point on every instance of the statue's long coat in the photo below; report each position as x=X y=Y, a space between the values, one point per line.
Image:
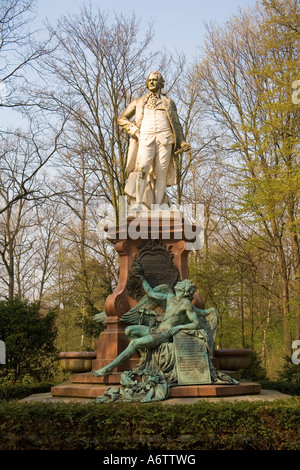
x=136 y=108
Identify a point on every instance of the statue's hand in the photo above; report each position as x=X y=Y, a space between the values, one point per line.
x=139 y=275
x=138 y=270
x=136 y=135
x=172 y=331
x=185 y=147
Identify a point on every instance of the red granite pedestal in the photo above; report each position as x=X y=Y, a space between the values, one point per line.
x=87 y=385
x=113 y=340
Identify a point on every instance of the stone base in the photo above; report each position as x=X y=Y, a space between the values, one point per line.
x=114 y=378
x=243 y=388
x=264 y=395
x=68 y=389
x=89 y=386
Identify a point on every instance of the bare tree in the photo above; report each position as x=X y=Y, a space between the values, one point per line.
x=246 y=78
x=98 y=67
x=19 y=51
x=21 y=189
x=18 y=172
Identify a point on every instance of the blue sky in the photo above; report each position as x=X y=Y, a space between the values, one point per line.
x=178 y=24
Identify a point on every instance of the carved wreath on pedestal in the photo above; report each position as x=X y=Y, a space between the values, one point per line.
x=158 y=267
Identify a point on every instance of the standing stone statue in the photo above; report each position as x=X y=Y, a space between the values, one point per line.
x=156 y=134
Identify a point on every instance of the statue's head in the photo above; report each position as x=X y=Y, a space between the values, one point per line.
x=155 y=81
x=187 y=287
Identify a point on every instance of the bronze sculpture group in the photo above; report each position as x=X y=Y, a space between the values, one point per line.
x=153 y=323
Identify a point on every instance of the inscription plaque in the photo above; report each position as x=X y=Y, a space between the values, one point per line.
x=191 y=360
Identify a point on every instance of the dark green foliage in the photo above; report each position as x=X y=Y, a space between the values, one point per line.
x=19 y=391
x=289 y=388
x=203 y=426
x=255 y=371
x=289 y=372
x=28 y=336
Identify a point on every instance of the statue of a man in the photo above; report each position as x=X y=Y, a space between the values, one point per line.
x=156 y=134
x=179 y=315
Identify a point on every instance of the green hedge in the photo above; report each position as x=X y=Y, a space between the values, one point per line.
x=283 y=386
x=120 y=426
x=19 y=391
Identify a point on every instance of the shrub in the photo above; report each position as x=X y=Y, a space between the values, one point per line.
x=17 y=391
x=255 y=371
x=289 y=388
x=28 y=336
x=289 y=372
x=156 y=426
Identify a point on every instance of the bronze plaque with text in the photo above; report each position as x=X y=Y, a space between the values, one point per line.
x=191 y=360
